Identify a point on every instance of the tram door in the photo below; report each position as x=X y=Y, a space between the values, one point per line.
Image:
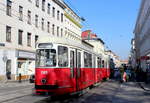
x=72 y=63
x=78 y=69
x=75 y=65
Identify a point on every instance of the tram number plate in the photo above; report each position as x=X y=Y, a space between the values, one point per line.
x=44 y=72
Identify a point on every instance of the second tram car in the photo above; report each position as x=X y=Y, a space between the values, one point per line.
x=64 y=67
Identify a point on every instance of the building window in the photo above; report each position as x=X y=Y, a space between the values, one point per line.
x=36 y=39
x=48 y=27
x=28 y=39
x=20 y=32
x=57 y=31
x=62 y=16
x=8 y=33
x=8 y=8
x=61 y=32
x=42 y=23
x=58 y=15
x=29 y=17
x=37 y=3
x=43 y=5
x=53 y=29
x=20 y=13
x=53 y=12
x=36 y=21
x=48 y=8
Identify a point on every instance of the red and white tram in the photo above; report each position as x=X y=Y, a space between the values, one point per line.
x=63 y=67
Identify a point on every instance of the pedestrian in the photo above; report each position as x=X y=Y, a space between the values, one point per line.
x=124 y=76
x=8 y=76
x=121 y=73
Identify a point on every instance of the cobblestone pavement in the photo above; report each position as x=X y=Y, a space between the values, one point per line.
x=107 y=92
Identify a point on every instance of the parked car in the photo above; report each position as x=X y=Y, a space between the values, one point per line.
x=32 y=78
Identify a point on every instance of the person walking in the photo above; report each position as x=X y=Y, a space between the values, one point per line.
x=124 y=77
x=8 y=76
x=121 y=73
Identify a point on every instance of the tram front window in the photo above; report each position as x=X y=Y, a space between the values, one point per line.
x=46 y=58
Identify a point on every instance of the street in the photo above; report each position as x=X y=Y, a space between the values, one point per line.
x=106 y=92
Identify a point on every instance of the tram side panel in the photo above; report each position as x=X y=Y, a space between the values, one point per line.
x=99 y=74
x=87 y=77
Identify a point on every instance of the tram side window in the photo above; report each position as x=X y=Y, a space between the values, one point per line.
x=87 y=60
x=103 y=63
x=98 y=62
x=62 y=56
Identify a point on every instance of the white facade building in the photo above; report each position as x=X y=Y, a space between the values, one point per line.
x=142 y=35
x=115 y=59
x=72 y=24
x=132 y=58
x=22 y=23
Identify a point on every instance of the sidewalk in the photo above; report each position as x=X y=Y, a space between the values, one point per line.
x=12 y=90
x=14 y=84
x=130 y=92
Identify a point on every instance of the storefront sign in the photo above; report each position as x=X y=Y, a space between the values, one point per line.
x=25 y=54
x=145 y=58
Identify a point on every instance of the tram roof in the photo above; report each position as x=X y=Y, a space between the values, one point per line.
x=65 y=41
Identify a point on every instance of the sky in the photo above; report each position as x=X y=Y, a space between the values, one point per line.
x=112 y=20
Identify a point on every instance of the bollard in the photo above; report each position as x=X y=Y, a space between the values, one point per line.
x=19 y=77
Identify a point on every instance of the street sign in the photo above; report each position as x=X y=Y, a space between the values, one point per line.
x=5 y=58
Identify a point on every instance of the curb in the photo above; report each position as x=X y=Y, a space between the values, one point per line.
x=13 y=81
x=146 y=89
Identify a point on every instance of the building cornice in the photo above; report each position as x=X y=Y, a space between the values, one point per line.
x=62 y=5
x=73 y=20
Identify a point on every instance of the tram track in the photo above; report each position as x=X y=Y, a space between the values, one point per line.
x=4 y=101
x=14 y=94
x=70 y=98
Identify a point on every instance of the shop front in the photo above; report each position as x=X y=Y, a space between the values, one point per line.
x=25 y=64
x=145 y=65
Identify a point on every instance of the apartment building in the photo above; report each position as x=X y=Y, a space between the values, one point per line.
x=22 y=23
x=142 y=36
x=72 y=24
x=114 y=59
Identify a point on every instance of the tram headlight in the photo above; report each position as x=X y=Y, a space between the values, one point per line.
x=44 y=81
